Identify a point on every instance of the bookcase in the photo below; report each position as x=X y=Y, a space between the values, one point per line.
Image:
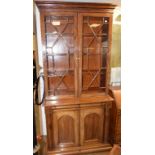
x=76 y=40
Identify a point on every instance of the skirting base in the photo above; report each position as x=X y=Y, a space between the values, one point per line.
x=81 y=150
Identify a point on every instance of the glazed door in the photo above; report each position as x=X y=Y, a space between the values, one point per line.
x=59 y=30
x=94 y=46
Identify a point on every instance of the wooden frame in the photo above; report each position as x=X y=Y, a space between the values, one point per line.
x=43 y=14
x=80 y=19
x=78 y=44
x=73 y=5
x=78 y=112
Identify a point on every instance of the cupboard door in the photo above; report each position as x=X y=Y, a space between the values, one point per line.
x=59 y=31
x=91 y=122
x=94 y=44
x=65 y=128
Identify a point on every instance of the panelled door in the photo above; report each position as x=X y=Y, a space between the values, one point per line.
x=94 y=46
x=59 y=30
x=65 y=128
x=91 y=123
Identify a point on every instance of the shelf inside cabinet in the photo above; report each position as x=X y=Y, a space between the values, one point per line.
x=59 y=54
x=56 y=33
x=92 y=35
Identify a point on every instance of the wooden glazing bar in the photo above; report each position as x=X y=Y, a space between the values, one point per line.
x=60 y=54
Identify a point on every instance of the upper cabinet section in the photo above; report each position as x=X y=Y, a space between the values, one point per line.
x=76 y=38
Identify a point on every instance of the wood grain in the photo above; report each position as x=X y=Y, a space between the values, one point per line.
x=75 y=5
x=66 y=129
x=76 y=39
x=91 y=126
x=115 y=92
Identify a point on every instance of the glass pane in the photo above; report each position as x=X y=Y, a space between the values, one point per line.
x=94 y=52
x=59 y=31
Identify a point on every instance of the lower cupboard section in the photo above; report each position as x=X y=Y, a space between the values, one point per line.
x=79 y=127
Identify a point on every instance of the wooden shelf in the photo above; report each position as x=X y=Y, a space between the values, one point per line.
x=89 y=53
x=60 y=54
x=84 y=99
x=55 y=72
x=64 y=34
x=89 y=48
x=61 y=22
x=88 y=70
x=92 y=35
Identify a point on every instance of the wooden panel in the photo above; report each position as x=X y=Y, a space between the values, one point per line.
x=49 y=126
x=116 y=115
x=74 y=5
x=65 y=128
x=91 y=126
x=71 y=101
x=107 y=120
x=82 y=150
x=91 y=122
x=118 y=128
